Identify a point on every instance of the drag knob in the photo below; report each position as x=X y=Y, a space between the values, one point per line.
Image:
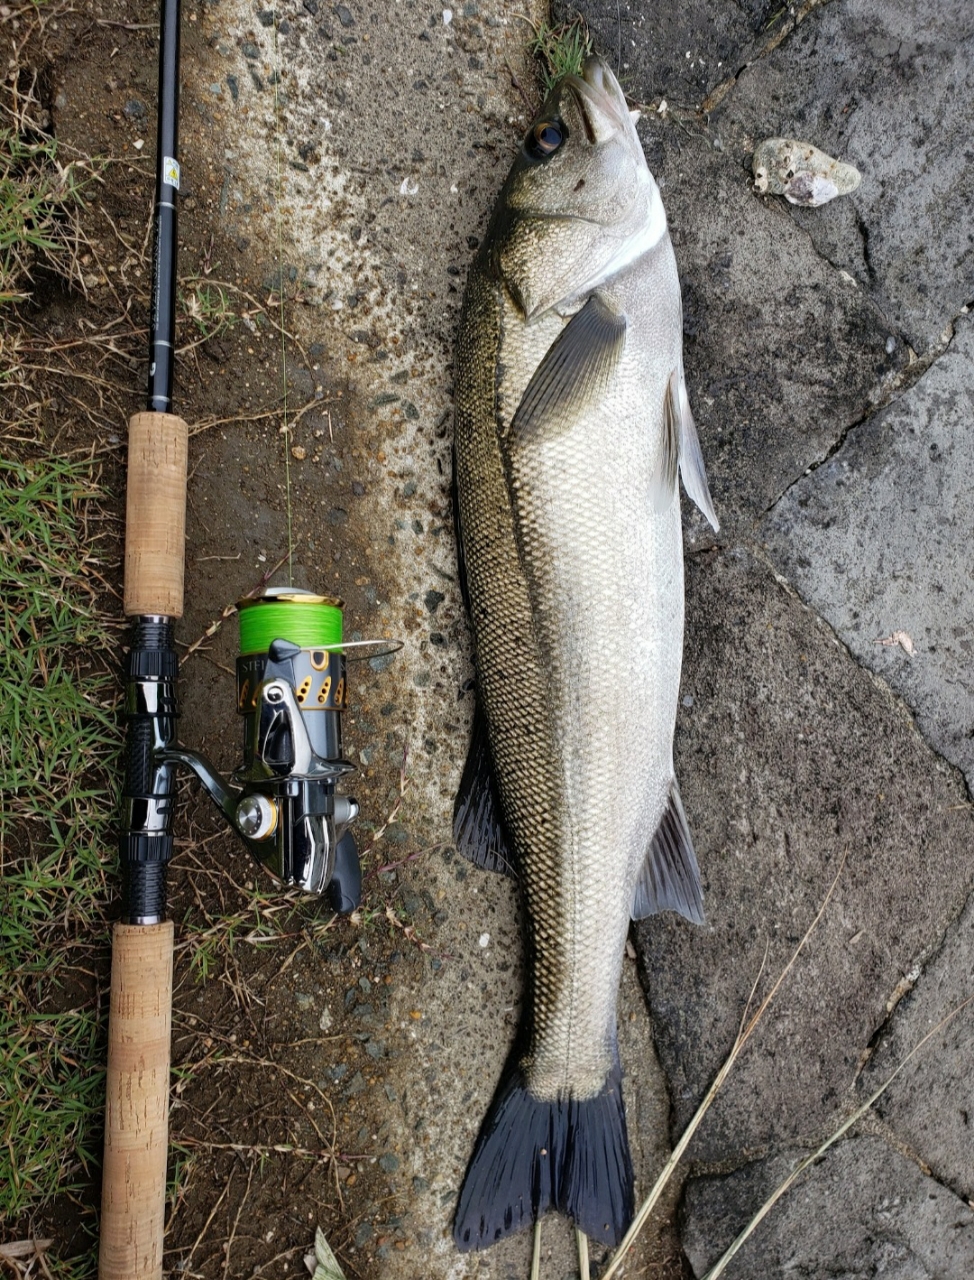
x=256 y=817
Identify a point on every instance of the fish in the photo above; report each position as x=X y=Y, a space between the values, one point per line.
x=571 y=425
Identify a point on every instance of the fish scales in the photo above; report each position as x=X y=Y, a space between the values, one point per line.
x=565 y=452
x=570 y=613
x=512 y=681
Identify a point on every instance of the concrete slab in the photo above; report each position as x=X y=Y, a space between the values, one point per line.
x=678 y=52
x=868 y=84
x=782 y=352
x=889 y=1219
x=878 y=538
x=790 y=757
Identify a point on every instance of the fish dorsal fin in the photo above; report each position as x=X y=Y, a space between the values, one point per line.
x=478 y=829
x=574 y=372
x=688 y=445
x=669 y=879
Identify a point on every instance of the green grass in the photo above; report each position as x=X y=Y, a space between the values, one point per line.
x=561 y=50
x=58 y=743
x=39 y=201
x=208 y=306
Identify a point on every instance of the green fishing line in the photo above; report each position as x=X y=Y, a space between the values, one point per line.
x=312 y=625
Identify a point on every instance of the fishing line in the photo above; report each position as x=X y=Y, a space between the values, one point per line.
x=285 y=430
x=312 y=622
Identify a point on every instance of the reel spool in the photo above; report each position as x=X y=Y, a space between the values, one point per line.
x=291 y=691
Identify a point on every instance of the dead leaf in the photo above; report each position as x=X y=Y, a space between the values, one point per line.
x=326 y=1267
x=902 y=638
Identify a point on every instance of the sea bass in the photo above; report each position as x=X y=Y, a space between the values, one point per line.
x=572 y=421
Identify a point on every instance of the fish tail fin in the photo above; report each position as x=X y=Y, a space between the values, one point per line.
x=534 y=1155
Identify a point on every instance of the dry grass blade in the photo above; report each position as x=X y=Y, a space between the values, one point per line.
x=747 y=1028
x=581 y=1240
x=23 y=1249
x=187 y=1265
x=720 y=1266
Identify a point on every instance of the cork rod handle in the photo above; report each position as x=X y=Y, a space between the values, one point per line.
x=155 y=516
x=137 y=1104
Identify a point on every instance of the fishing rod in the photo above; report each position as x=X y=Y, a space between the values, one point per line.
x=281 y=801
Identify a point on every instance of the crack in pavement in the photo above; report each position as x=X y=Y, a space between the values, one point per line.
x=877 y=1126
x=863 y=230
x=720 y=92
x=899 y=386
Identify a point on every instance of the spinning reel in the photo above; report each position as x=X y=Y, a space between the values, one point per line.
x=281 y=801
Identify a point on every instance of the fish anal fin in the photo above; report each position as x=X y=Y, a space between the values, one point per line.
x=534 y=1155
x=574 y=373
x=670 y=879
x=688 y=444
x=478 y=828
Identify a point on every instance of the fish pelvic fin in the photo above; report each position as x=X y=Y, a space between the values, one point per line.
x=670 y=879
x=478 y=828
x=574 y=373
x=682 y=431
x=532 y=1156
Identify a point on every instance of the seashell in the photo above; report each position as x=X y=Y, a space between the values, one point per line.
x=800 y=172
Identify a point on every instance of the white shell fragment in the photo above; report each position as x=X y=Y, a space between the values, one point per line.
x=902 y=638
x=800 y=172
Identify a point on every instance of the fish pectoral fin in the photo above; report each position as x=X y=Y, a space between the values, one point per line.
x=663 y=484
x=669 y=879
x=575 y=371
x=478 y=828
x=691 y=459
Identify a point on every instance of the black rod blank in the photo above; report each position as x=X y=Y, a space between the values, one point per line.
x=148 y=793
x=162 y=321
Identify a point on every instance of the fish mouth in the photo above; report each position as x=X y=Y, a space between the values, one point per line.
x=600 y=100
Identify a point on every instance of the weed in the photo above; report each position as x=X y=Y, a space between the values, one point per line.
x=270 y=916
x=181 y=1166
x=561 y=50
x=58 y=740
x=40 y=200
x=208 y=306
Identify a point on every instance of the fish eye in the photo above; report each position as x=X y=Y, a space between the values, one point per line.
x=545 y=138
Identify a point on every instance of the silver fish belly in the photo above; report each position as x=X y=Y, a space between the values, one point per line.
x=570 y=426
